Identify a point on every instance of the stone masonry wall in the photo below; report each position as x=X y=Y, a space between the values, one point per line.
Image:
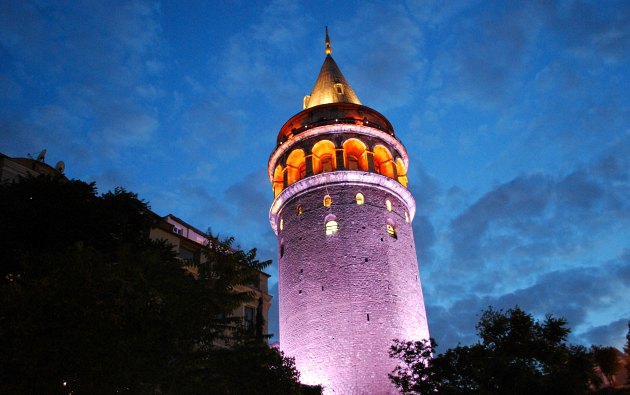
x=344 y=298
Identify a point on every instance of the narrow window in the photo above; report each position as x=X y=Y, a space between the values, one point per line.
x=339 y=89
x=327 y=164
x=281 y=224
x=327 y=200
x=300 y=210
x=360 y=199
x=406 y=217
x=281 y=251
x=353 y=163
x=248 y=318
x=332 y=227
x=388 y=204
x=391 y=229
x=368 y=316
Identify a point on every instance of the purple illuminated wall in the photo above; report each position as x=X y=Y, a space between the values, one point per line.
x=343 y=298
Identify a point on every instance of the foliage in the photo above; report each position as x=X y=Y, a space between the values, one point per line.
x=516 y=354
x=608 y=361
x=90 y=305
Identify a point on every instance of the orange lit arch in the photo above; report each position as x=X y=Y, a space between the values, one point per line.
x=296 y=166
x=383 y=161
x=355 y=155
x=324 y=159
x=401 y=172
x=278 y=181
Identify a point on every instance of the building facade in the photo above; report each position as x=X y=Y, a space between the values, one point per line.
x=189 y=244
x=348 y=271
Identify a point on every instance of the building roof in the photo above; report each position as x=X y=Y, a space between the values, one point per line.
x=331 y=86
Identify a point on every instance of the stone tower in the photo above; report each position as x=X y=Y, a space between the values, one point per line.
x=348 y=272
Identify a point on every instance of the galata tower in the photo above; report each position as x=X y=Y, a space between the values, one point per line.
x=348 y=271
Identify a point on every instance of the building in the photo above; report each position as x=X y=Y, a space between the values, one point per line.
x=348 y=271
x=189 y=242
x=12 y=168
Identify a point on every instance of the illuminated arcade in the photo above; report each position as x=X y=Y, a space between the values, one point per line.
x=348 y=271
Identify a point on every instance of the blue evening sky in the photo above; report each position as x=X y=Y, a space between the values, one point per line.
x=516 y=116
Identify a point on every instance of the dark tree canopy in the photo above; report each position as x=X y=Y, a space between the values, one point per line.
x=90 y=305
x=516 y=354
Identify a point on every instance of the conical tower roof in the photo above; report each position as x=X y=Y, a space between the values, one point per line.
x=331 y=86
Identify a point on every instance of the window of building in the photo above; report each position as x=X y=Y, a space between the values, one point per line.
x=327 y=201
x=299 y=210
x=353 y=162
x=355 y=155
x=383 y=161
x=186 y=254
x=331 y=227
x=281 y=251
x=360 y=199
x=388 y=204
x=281 y=224
x=296 y=166
x=327 y=163
x=248 y=318
x=391 y=230
x=339 y=89
x=406 y=217
x=278 y=181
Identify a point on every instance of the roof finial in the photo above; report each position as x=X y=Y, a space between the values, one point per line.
x=328 y=49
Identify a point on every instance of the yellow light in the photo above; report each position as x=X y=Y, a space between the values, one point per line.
x=388 y=204
x=391 y=230
x=360 y=199
x=327 y=201
x=331 y=228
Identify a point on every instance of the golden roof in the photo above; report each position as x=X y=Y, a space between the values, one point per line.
x=331 y=86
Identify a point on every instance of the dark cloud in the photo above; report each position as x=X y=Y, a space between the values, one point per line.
x=606 y=335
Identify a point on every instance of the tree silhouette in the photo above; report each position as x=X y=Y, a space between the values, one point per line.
x=515 y=354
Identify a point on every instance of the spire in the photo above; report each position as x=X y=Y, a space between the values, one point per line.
x=331 y=86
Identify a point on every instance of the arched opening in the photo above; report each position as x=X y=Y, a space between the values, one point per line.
x=278 y=181
x=401 y=172
x=299 y=210
x=324 y=159
x=388 y=205
x=296 y=166
x=327 y=201
x=383 y=162
x=355 y=155
x=360 y=199
x=331 y=226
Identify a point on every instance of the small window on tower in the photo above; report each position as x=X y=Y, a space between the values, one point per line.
x=360 y=199
x=327 y=164
x=281 y=224
x=327 y=201
x=406 y=217
x=391 y=230
x=388 y=204
x=331 y=225
x=339 y=89
x=299 y=210
x=353 y=163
